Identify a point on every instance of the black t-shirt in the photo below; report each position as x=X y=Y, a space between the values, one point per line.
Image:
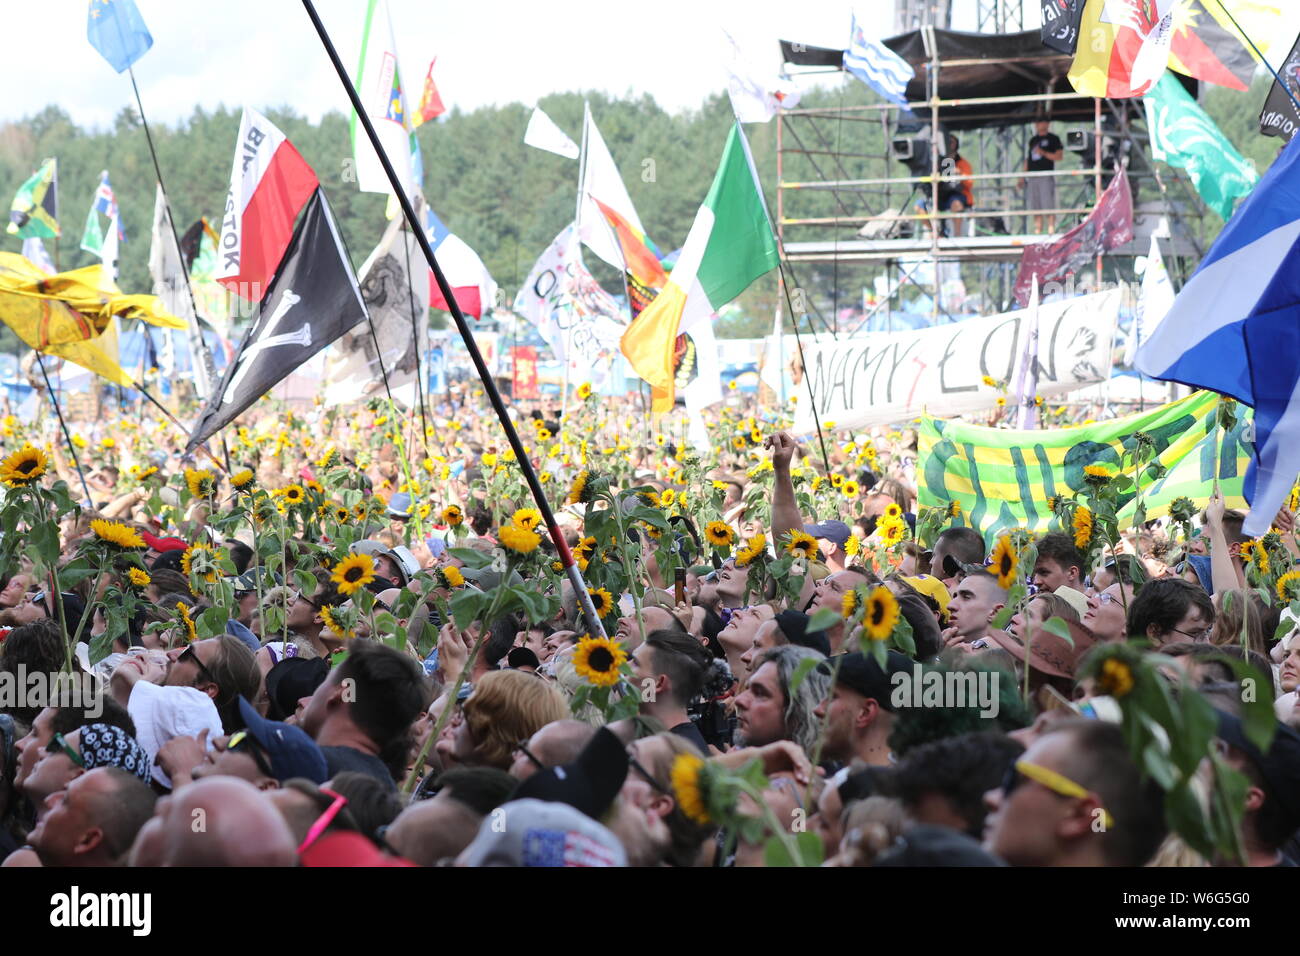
x=1038 y=145
x=688 y=731
x=339 y=759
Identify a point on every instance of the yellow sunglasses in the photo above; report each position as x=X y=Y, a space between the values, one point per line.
x=1053 y=781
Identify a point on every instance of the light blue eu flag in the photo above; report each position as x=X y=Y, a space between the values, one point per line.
x=116 y=29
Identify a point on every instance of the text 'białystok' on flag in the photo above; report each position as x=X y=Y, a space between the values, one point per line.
x=1235 y=328
x=313 y=299
x=730 y=244
x=270 y=182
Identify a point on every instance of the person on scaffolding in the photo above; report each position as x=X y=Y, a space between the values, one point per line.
x=956 y=196
x=1045 y=151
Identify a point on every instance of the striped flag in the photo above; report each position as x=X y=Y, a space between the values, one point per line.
x=877 y=66
x=729 y=246
x=379 y=84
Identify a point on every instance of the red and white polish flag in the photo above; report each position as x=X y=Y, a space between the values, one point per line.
x=270 y=183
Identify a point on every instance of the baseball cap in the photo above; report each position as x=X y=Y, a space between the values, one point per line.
x=861 y=674
x=1280 y=766
x=794 y=625
x=537 y=833
x=163 y=544
x=292 y=679
x=292 y=753
x=931 y=587
x=590 y=783
x=836 y=531
x=1076 y=599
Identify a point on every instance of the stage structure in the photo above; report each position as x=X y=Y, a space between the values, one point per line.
x=858 y=185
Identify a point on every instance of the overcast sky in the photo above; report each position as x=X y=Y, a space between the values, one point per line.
x=264 y=53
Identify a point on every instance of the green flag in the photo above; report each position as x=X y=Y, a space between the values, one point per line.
x=1183 y=135
x=92 y=237
x=1004 y=478
x=35 y=209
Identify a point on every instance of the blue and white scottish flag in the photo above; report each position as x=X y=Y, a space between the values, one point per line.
x=877 y=66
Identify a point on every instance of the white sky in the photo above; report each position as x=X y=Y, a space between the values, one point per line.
x=264 y=53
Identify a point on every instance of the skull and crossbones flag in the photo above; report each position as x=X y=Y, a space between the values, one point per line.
x=312 y=300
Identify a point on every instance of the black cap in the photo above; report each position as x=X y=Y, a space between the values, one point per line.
x=292 y=679
x=589 y=784
x=522 y=657
x=929 y=845
x=794 y=625
x=1280 y=767
x=861 y=674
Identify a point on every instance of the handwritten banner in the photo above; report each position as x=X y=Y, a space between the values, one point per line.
x=889 y=378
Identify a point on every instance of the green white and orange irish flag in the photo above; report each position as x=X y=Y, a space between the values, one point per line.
x=730 y=244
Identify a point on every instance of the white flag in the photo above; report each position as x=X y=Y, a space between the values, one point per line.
x=754 y=97
x=544 y=134
x=34 y=251
x=379 y=84
x=169 y=284
x=601 y=181
x=704 y=385
x=108 y=252
x=1156 y=301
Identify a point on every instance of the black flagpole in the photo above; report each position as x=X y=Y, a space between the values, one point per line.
x=489 y=386
x=54 y=400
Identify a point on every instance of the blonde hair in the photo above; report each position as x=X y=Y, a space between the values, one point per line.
x=507 y=707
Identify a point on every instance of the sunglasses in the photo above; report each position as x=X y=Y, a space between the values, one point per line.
x=649 y=777
x=191 y=655
x=1023 y=770
x=242 y=739
x=60 y=743
x=522 y=748
x=325 y=819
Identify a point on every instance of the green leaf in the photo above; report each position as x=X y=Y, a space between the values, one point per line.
x=803 y=669
x=1057 y=627
x=807 y=845
x=471 y=557
x=902 y=637
x=823 y=619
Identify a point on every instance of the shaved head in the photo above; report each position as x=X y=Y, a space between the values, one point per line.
x=224 y=821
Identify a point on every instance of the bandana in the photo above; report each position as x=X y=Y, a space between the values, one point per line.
x=103 y=745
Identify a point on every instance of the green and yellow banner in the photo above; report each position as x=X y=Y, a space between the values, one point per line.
x=1003 y=478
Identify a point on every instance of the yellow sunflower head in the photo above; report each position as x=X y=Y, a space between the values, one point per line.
x=451 y=576
x=803 y=545
x=329 y=617
x=598 y=659
x=353 y=573
x=853 y=545
x=893 y=511
x=849 y=604
x=580 y=492
x=1005 y=561
x=526 y=518
x=293 y=495
x=1116 y=678
x=1082 y=527
x=1288 y=587
x=201 y=561
x=689 y=777
x=23 y=467
x=518 y=540
x=452 y=516
x=116 y=534
x=603 y=601
x=584 y=391
x=242 y=480
x=138 y=577
x=881 y=614
x=201 y=482
x=191 y=634
x=719 y=534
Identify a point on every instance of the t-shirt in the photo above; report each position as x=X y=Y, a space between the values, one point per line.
x=688 y=731
x=1038 y=145
x=339 y=759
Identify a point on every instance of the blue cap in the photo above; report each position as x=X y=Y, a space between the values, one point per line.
x=292 y=753
x=399 y=506
x=235 y=629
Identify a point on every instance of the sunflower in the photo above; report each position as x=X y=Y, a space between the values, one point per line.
x=325 y=459
x=584 y=548
x=138 y=577
x=688 y=784
x=1288 y=587
x=754 y=547
x=881 y=614
x=342 y=514
x=292 y=495
x=954 y=509
x=23 y=467
x=1116 y=678
x=1082 y=527
x=544 y=434
x=116 y=533
x=603 y=600
x=837 y=480
x=242 y=479
x=519 y=540
x=756 y=437
x=330 y=621
x=201 y=482
x=580 y=492
x=141 y=474
x=526 y=518
x=803 y=544
x=853 y=545
x=316 y=486
x=891 y=532
x=849 y=489
x=738 y=444
x=849 y=604
x=817 y=482
x=893 y=511
x=660 y=439
x=584 y=391
x=597 y=659
x=453 y=516
x=191 y=635
x=1001 y=402
x=1005 y=561
x=451 y=577
x=719 y=534
x=353 y=573
x=989 y=381
x=1096 y=474
x=202 y=561
x=1259 y=558
x=667 y=497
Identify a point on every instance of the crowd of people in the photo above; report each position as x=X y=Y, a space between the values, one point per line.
x=348 y=640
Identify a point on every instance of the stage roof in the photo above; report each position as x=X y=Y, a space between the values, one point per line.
x=1005 y=64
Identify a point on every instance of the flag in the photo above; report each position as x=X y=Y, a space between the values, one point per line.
x=700 y=381
x=34 y=252
x=1207 y=45
x=755 y=96
x=396 y=293
x=1107 y=227
x=116 y=29
x=578 y=319
x=1027 y=373
x=1003 y=478
x=108 y=254
x=199 y=258
x=544 y=134
x=1113 y=32
x=643 y=273
x=1060 y=29
x=379 y=84
x=167 y=270
x=103 y=203
x=35 y=209
x=471 y=284
x=313 y=299
x=92 y=237
x=430 y=107
x=1182 y=134
x=1280 y=116
x=600 y=182
x=1153 y=305
x=730 y=244
x=877 y=65
x=1233 y=329
x=269 y=184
